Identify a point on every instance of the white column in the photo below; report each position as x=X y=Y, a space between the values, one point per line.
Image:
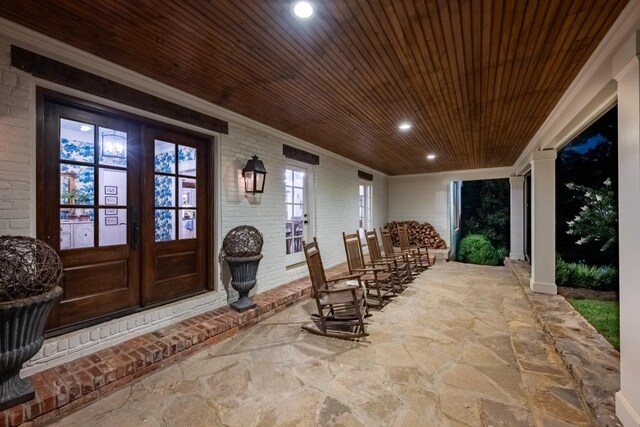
x=627 y=73
x=517 y=217
x=543 y=222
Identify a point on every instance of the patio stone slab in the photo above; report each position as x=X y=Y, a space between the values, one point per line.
x=593 y=362
x=67 y=387
x=447 y=352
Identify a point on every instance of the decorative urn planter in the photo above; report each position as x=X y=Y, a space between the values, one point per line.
x=30 y=273
x=242 y=248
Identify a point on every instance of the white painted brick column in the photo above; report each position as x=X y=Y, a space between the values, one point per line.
x=543 y=222
x=627 y=72
x=15 y=150
x=517 y=217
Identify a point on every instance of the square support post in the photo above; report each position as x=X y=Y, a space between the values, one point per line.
x=543 y=222
x=626 y=70
x=517 y=217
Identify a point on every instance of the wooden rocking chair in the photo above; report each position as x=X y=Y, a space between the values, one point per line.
x=406 y=257
x=376 y=278
x=401 y=270
x=341 y=307
x=421 y=253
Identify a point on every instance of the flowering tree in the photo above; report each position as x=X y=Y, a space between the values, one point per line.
x=597 y=220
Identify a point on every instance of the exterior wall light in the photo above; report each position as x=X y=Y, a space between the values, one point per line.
x=254 y=175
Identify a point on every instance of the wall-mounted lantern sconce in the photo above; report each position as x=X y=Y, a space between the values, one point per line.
x=254 y=174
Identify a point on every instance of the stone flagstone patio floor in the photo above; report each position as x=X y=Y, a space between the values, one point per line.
x=459 y=347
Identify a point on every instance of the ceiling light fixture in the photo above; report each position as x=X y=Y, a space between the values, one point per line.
x=431 y=156
x=86 y=128
x=404 y=126
x=303 y=9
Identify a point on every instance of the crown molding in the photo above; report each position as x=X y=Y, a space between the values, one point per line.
x=44 y=45
x=469 y=174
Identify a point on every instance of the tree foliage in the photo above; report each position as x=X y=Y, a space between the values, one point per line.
x=597 y=220
x=485 y=210
x=587 y=161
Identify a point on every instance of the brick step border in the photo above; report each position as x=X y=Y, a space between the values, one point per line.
x=67 y=387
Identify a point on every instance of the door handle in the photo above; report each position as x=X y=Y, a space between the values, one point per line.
x=135 y=228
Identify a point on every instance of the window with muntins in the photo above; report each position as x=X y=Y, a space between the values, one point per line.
x=364 y=208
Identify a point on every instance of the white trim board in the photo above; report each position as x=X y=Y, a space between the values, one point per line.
x=470 y=174
x=625 y=412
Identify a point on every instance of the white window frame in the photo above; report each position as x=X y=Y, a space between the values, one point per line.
x=309 y=207
x=365 y=191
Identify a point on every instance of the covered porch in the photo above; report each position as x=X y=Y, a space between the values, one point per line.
x=460 y=346
x=365 y=116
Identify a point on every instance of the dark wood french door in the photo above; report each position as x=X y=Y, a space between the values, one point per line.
x=175 y=188
x=125 y=204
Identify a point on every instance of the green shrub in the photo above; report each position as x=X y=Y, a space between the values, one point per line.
x=580 y=275
x=477 y=249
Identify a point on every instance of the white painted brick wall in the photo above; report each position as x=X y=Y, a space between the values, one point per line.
x=15 y=149
x=336 y=201
x=425 y=198
x=80 y=343
x=336 y=194
x=380 y=206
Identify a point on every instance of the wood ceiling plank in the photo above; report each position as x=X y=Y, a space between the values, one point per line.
x=509 y=70
x=539 y=112
x=476 y=77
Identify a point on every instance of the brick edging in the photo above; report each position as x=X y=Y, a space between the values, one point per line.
x=65 y=388
x=598 y=380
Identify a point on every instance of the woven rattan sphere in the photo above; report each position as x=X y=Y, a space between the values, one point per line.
x=242 y=241
x=28 y=267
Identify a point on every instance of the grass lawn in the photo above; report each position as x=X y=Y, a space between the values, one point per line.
x=603 y=315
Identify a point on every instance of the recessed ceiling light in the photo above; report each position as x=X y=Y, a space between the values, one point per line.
x=404 y=126
x=86 y=128
x=431 y=156
x=303 y=9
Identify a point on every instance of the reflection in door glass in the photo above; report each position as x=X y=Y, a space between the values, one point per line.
x=187 y=192
x=187 y=161
x=113 y=147
x=164 y=191
x=165 y=225
x=165 y=157
x=112 y=227
x=113 y=186
x=76 y=184
x=76 y=228
x=187 y=224
x=76 y=141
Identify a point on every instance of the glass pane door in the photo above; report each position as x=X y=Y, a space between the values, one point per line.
x=174 y=191
x=92 y=157
x=296 y=217
x=86 y=186
x=175 y=207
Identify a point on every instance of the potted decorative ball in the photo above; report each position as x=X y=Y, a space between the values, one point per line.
x=241 y=249
x=30 y=272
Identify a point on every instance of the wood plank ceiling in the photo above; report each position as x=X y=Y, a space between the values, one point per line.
x=476 y=78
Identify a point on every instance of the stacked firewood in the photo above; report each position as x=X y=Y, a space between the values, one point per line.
x=419 y=234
